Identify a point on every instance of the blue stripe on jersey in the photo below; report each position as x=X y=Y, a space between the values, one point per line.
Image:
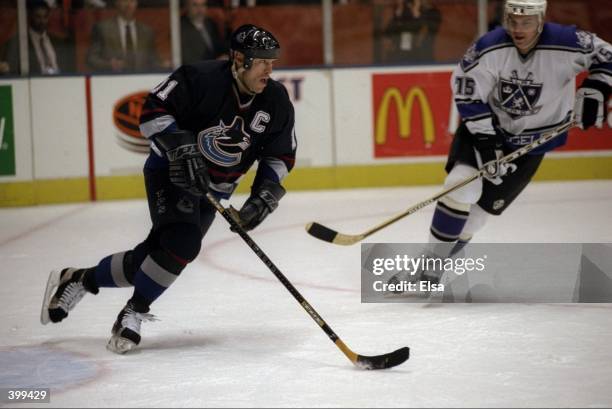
x=554 y=37
x=604 y=68
x=558 y=35
x=493 y=38
x=474 y=109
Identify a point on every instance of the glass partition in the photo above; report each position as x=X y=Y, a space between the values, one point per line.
x=297 y=26
x=122 y=36
x=45 y=43
x=422 y=31
x=89 y=36
x=9 y=38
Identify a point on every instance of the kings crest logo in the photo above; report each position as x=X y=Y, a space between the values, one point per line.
x=519 y=96
x=225 y=144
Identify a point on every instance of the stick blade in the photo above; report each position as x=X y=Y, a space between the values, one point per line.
x=321 y=232
x=331 y=236
x=384 y=361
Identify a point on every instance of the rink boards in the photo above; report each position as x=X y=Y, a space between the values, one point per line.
x=66 y=139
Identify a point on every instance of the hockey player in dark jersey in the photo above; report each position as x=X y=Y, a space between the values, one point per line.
x=208 y=123
x=513 y=84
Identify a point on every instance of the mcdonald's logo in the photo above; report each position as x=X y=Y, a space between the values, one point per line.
x=404 y=105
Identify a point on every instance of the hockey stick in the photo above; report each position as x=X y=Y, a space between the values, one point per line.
x=384 y=361
x=326 y=234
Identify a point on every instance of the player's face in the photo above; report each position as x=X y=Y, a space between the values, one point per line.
x=256 y=78
x=126 y=8
x=196 y=9
x=523 y=30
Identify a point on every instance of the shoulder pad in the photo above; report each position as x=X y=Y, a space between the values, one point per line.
x=492 y=40
x=566 y=37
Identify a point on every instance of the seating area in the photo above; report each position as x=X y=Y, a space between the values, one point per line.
x=358 y=36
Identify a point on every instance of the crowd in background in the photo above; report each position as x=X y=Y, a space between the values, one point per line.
x=101 y=36
x=118 y=40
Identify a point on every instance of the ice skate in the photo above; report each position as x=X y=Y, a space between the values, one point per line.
x=126 y=330
x=64 y=290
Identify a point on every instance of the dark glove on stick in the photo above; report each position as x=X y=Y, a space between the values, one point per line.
x=590 y=105
x=489 y=149
x=187 y=168
x=259 y=205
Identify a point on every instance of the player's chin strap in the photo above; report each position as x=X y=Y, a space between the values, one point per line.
x=237 y=74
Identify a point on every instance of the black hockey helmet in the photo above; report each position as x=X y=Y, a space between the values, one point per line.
x=254 y=42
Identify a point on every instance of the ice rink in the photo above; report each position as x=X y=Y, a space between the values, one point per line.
x=230 y=335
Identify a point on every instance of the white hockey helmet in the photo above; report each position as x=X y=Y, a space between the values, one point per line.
x=526 y=8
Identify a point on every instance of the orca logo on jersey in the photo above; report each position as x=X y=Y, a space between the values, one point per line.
x=224 y=144
x=518 y=96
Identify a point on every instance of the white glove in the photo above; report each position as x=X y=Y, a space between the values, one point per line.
x=589 y=107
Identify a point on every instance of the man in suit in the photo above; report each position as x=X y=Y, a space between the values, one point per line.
x=48 y=54
x=200 y=37
x=122 y=44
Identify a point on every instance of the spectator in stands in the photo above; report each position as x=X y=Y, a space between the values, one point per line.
x=123 y=44
x=48 y=53
x=200 y=35
x=495 y=13
x=412 y=31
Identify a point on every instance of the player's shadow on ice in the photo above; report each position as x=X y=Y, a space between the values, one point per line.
x=176 y=341
x=96 y=345
x=251 y=340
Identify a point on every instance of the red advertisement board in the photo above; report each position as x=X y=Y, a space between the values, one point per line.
x=412 y=114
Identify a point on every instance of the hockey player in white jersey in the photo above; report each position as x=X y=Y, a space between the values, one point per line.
x=512 y=84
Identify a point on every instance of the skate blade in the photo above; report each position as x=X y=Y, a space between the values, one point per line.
x=52 y=285
x=120 y=345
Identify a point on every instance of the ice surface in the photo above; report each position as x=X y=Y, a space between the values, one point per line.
x=231 y=335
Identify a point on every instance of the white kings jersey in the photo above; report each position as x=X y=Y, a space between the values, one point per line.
x=495 y=86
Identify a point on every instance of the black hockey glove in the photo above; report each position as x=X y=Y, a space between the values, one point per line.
x=488 y=150
x=259 y=205
x=590 y=103
x=187 y=168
